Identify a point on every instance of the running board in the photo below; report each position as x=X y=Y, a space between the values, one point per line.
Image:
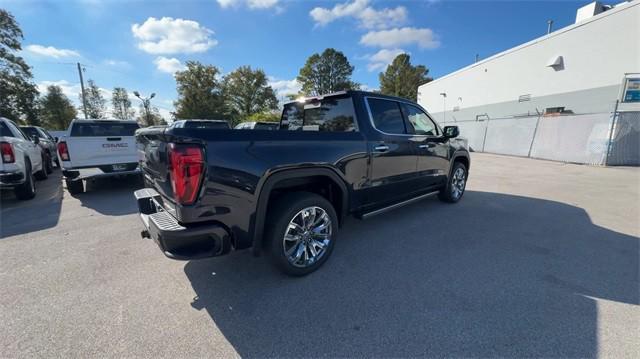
x=396 y=205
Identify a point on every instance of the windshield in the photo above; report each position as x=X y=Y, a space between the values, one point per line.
x=207 y=124
x=103 y=129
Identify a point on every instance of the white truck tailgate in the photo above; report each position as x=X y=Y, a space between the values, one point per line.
x=99 y=143
x=95 y=151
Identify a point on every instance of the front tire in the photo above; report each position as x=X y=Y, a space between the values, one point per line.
x=456 y=184
x=42 y=174
x=302 y=231
x=48 y=165
x=27 y=190
x=74 y=187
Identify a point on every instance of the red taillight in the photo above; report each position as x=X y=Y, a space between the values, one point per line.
x=63 y=150
x=8 y=156
x=187 y=167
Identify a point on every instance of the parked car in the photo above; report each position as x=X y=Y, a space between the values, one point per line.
x=205 y=124
x=57 y=135
x=47 y=143
x=288 y=191
x=22 y=160
x=97 y=148
x=257 y=126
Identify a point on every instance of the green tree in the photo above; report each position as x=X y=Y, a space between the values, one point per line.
x=55 y=110
x=247 y=92
x=95 y=102
x=122 y=109
x=402 y=79
x=154 y=118
x=18 y=93
x=268 y=116
x=325 y=73
x=199 y=93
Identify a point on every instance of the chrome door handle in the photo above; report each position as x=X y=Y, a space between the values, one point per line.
x=381 y=148
x=428 y=145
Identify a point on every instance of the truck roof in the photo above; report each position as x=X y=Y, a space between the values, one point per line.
x=348 y=92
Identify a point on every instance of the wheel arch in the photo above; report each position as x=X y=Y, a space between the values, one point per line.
x=292 y=179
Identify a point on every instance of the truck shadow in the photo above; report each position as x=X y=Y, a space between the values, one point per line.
x=494 y=275
x=41 y=212
x=111 y=196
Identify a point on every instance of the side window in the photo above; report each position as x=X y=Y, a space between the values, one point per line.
x=386 y=116
x=421 y=123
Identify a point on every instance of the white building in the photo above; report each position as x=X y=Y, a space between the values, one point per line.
x=582 y=68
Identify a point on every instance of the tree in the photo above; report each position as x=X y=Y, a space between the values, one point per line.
x=95 y=102
x=154 y=118
x=55 y=110
x=325 y=73
x=121 y=104
x=247 y=92
x=402 y=79
x=199 y=93
x=269 y=116
x=17 y=91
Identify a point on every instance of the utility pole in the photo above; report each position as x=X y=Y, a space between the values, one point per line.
x=84 y=99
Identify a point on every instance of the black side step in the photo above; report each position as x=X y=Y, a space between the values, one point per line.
x=395 y=205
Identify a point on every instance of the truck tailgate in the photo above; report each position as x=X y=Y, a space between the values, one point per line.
x=94 y=151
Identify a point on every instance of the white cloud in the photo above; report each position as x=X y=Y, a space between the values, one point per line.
x=424 y=38
x=168 y=65
x=285 y=87
x=50 y=51
x=381 y=59
x=116 y=63
x=252 y=4
x=368 y=17
x=171 y=36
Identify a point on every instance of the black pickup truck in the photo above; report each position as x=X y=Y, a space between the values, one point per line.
x=287 y=192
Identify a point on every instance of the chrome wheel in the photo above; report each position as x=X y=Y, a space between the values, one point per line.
x=458 y=183
x=307 y=237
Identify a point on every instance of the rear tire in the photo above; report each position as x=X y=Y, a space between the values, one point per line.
x=456 y=184
x=27 y=190
x=301 y=232
x=42 y=174
x=74 y=187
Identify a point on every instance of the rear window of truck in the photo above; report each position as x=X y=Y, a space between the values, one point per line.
x=4 y=130
x=103 y=129
x=332 y=114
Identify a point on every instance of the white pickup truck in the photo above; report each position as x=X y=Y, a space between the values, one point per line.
x=97 y=148
x=22 y=160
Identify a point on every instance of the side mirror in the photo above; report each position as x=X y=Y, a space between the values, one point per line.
x=451 y=131
x=35 y=139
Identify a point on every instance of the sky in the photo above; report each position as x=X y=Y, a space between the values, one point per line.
x=139 y=45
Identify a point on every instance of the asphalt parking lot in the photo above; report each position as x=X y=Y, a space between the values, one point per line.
x=538 y=259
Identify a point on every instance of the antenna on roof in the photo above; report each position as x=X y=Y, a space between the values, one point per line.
x=549 y=26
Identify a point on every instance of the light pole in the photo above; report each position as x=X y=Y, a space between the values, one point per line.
x=444 y=107
x=146 y=103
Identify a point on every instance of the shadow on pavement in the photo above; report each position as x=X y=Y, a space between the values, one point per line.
x=111 y=196
x=494 y=275
x=41 y=212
